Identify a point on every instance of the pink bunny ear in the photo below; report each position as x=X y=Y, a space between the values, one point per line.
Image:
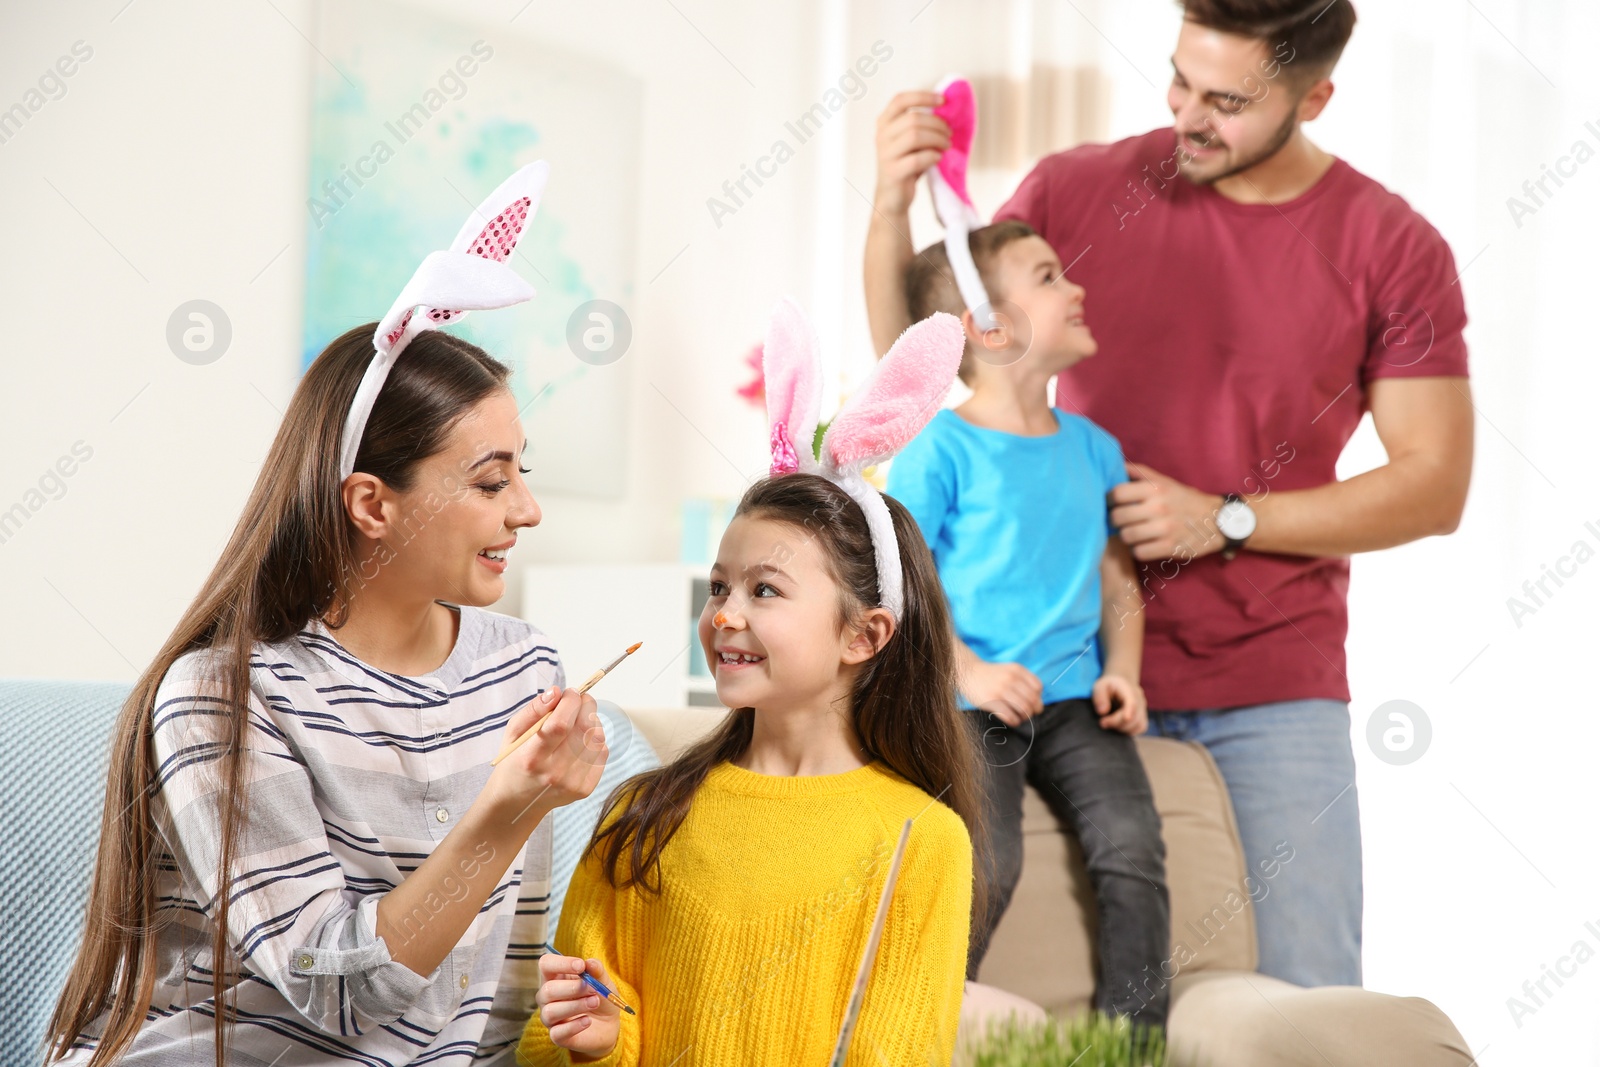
x=960 y=113
x=903 y=392
x=794 y=393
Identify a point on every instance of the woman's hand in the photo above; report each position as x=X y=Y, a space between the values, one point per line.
x=579 y=1019
x=559 y=764
x=910 y=139
x=1120 y=704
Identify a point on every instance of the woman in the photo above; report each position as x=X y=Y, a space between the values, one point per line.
x=305 y=856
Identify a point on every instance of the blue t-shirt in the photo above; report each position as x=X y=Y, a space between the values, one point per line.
x=1018 y=528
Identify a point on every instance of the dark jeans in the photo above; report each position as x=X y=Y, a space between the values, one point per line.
x=1094 y=782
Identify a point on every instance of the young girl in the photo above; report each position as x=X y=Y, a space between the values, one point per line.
x=727 y=897
x=304 y=857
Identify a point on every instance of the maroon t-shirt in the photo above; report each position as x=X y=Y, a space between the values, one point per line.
x=1236 y=343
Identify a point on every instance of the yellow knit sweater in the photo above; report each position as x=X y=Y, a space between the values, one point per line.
x=769 y=890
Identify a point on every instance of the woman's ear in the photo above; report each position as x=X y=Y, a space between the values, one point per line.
x=364 y=497
x=869 y=636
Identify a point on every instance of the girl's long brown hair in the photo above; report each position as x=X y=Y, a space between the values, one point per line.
x=291 y=558
x=903 y=705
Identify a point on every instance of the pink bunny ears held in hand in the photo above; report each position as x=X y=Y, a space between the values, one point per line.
x=898 y=398
x=471 y=276
x=947 y=181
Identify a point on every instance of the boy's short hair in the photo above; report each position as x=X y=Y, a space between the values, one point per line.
x=930 y=283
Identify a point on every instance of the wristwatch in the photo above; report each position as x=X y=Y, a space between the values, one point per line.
x=1236 y=521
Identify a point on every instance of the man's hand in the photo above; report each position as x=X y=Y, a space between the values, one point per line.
x=1120 y=704
x=1159 y=517
x=910 y=140
x=1008 y=691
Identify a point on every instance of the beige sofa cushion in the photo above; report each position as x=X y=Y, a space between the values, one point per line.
x=1043 y=947
x=1250 y=1020
x=670 y=730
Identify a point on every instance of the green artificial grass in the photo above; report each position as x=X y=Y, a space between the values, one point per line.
x=1086 y=1041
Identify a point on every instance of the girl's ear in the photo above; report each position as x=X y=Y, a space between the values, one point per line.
x=869 y=636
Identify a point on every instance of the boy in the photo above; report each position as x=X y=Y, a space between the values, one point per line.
x=1010 y=494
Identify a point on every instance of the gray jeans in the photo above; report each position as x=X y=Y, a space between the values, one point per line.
x=1093 y=780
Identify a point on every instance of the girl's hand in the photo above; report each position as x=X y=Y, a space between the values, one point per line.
x=910 y=139
x=556 y=766
x=579 y=1019
x=1120 y=704
x=1008 y=691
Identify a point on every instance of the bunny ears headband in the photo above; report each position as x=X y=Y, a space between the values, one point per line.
x=471 y=276
x=947 y=181
x=898 y=398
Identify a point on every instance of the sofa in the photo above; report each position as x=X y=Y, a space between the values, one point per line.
x=1224 y=1014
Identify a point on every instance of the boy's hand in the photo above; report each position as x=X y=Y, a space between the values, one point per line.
x=1008 y=691
x=579 y=1019
x=1120 y=704
x=910 y=139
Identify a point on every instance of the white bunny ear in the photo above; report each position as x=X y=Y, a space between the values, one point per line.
x=791 y=376
x=495 y=227
x=471 y=276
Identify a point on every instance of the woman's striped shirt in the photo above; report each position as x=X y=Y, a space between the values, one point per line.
x=355 y=775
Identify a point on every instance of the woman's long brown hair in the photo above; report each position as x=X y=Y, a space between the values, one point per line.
x=903 y=704
x=291 y=558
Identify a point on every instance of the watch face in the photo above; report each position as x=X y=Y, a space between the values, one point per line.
x=1236 y=520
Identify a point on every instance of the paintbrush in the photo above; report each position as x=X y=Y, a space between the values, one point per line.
x=870 y=955
x=584 y=688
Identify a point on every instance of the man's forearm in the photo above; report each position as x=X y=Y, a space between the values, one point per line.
x=888 y=251
x=1407 y=498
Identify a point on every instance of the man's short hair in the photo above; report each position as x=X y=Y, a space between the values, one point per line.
x=1306 y=36
x=930 y=283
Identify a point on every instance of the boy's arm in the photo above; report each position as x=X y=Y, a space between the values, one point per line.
x=1117 y=696
x=1121 y=612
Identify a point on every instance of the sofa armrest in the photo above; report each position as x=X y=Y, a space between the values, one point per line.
x=1250 y=1020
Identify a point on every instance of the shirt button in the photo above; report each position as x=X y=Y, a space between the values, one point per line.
x=305 y=961
x=463 y=981
x=442 y=815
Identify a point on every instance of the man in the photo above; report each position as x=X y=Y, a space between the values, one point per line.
x=1252 y=295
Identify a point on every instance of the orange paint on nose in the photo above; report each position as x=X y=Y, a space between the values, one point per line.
x=719 y=620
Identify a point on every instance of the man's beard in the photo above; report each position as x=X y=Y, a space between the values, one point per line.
x=1280 y=137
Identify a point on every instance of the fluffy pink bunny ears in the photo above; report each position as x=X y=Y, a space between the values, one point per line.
x=471 y=276
x=898 y=398
x=947 y=181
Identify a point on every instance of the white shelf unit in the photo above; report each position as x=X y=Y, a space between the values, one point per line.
x=591 y=612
